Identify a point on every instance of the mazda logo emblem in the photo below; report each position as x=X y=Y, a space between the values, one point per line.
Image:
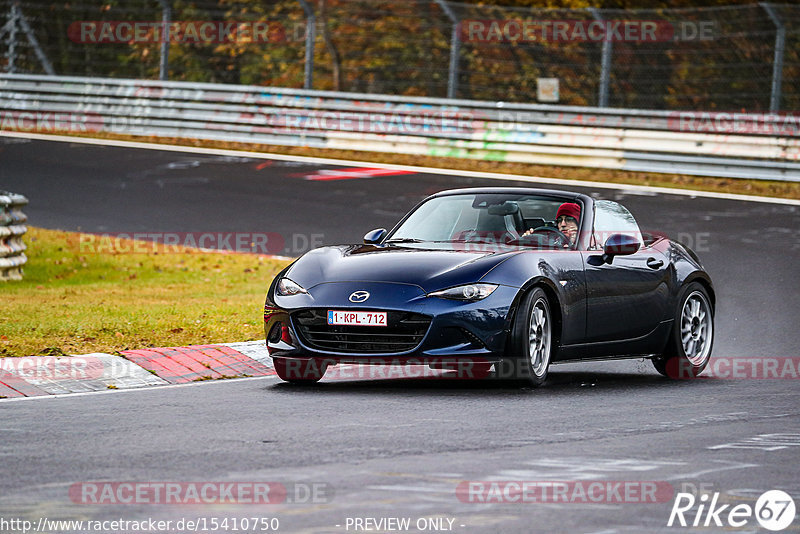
x=359 y=296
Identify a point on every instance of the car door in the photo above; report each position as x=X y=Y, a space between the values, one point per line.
x=626 y=297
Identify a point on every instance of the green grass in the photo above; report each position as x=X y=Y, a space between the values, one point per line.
x=76 y=300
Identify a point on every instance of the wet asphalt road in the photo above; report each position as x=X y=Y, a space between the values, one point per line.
x=400 y=447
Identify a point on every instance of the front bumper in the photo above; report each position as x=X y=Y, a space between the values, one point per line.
x=458 y=330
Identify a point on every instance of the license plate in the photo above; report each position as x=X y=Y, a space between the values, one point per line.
x=356 y=318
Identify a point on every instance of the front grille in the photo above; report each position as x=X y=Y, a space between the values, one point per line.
x=404 y=332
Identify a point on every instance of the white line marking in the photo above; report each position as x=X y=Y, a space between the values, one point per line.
x=698 y=474
x=429 y=170
x=420 y=489
x=129 y=390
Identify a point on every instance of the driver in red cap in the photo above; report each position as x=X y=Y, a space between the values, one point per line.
x=567 y=218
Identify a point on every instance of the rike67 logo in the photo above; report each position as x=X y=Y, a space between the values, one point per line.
x=774 y=510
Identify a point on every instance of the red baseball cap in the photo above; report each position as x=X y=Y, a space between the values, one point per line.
x=569 y=209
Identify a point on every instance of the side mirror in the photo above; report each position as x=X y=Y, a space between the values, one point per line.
x=373 y=237
x=619 y=245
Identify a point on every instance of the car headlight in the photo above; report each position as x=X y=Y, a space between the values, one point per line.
x=288 y=287
x=466 y=292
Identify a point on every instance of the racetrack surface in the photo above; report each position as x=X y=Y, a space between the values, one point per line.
x=400 y=447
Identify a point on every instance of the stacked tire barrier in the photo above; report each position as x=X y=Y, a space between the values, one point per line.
x=12 y=228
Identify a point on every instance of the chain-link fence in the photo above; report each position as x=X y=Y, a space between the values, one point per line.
x=734 y=58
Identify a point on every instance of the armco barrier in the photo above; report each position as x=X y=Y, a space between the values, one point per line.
x=12 y=227
x=712 y=144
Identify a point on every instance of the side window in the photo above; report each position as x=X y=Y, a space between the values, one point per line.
x=612 y=218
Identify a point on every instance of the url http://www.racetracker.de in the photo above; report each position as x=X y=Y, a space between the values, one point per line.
x=196 y=524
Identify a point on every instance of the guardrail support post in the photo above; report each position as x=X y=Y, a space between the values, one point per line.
x=311 y=37
x=166 y=20
x=455 y=49
x=777 y=62
x=605 y=63
x=12 y=227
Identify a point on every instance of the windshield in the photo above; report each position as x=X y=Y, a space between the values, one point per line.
x=502 y=218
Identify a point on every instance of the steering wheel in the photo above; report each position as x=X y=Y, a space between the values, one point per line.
x=557 y=237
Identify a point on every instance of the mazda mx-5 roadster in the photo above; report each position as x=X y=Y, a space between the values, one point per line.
x=508 y=280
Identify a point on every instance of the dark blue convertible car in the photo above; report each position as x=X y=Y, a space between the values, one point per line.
x=511 y=278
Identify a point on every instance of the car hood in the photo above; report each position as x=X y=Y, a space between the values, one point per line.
x=430 y=269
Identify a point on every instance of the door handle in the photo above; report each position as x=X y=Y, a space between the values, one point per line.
x=654 y=263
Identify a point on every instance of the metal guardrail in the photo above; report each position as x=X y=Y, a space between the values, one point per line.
x=763 y=147
x=12 y=227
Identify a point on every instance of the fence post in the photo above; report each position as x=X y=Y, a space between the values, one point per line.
x=605 y=63
x=166 y=20
x=777 y=62
x=23 y=22
x=455 y=49
x=11 y=40
x=311 y=37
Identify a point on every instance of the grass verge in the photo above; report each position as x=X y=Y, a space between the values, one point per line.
x=74 y=301
x=766 y=188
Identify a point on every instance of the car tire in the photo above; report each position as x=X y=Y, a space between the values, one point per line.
x=690 y=342
x=532 y=339
x=302 y=372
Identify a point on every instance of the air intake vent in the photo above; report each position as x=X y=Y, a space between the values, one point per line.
x=404 y=332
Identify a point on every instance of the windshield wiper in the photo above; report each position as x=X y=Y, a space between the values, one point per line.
x=406 y=240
